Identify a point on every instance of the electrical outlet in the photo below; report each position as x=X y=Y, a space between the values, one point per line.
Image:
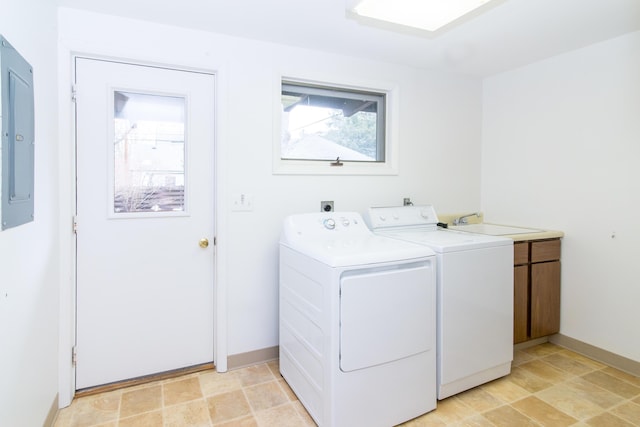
x=326 y=206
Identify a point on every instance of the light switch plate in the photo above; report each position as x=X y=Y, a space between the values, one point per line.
x=242 y=202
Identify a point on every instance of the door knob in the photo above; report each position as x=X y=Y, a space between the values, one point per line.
x=204 y=243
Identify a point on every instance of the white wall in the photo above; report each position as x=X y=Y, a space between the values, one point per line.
x=439 y=137
x=29 y=255
x=561 y=148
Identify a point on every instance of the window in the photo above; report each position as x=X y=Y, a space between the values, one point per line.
x=332 y=124
x=149 y=152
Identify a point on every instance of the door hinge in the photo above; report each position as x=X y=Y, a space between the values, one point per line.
x=75 y=224
x=74 y=356
x=74 y=93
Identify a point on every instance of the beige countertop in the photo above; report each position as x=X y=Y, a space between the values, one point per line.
x=538 y=235
x=517 y=233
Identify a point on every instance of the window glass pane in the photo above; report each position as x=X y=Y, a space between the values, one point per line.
x=149 y=152
x=327 y=123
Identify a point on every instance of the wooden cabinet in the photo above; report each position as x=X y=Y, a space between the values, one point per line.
x=536 y=278
x=520 y=303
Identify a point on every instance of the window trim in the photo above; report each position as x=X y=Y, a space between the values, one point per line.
x=388 y=166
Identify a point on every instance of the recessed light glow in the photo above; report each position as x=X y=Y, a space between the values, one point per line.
x=428 y=15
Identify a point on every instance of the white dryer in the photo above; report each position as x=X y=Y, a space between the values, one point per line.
x=357 y=321
x=475 y=295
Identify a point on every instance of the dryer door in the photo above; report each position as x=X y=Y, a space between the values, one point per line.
x=386 y=315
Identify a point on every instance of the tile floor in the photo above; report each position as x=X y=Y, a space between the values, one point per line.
x=549 y=386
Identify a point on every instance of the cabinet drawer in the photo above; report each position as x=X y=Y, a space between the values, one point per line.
x=520 y=253
x=546 y=250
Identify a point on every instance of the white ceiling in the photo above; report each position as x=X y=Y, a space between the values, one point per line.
x=509 y=35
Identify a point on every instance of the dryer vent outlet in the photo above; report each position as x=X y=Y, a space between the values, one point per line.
x=326 y=206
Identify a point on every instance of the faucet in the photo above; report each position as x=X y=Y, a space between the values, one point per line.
x=463 y=219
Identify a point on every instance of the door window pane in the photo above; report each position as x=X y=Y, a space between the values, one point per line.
x=149 y=153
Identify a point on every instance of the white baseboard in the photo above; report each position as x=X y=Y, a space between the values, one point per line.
x=53 y=413
x=235 y=361
x=614 y=360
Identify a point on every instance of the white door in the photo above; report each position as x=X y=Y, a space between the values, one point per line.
x=145 y=200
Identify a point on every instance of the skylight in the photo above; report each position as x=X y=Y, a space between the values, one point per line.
x=429 y=15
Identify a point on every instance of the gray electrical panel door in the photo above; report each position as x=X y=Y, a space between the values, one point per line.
x=16 y=87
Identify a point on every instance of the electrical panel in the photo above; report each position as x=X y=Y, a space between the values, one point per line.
x=18 y=137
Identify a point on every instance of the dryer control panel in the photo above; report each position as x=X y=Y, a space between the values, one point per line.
x=326 y=225
x=343 y=238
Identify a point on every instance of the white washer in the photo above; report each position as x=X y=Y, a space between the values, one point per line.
x=475 y=295
x=357 y=321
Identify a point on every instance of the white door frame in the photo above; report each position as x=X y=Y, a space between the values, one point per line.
x=67 y=177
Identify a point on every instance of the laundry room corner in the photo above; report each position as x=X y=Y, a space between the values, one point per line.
x=247 y=251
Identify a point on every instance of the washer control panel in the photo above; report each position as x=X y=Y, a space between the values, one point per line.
x=401 y=216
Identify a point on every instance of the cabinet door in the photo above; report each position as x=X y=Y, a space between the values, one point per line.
x=520 y=302
x=545 y=299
